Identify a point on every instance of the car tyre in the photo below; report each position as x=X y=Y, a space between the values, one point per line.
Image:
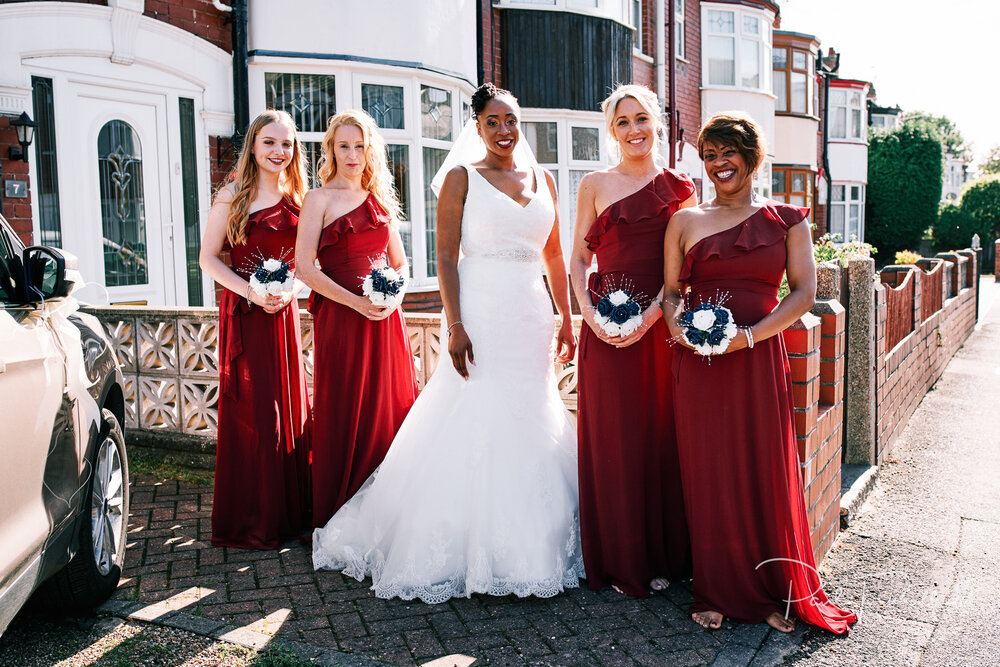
x=92 y=575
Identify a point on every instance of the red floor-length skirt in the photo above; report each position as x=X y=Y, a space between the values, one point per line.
x=750 y=538
x=261 y=495
x=632 y=520
x=364 y=380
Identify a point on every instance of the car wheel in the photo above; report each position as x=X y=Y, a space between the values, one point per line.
x=92 y=575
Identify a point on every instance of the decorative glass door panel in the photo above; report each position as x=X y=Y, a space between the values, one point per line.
x=123 y=215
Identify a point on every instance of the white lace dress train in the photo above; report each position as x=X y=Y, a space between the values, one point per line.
x=478 y=493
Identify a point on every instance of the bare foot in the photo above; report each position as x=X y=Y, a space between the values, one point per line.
x=659 y=584
x=710 y=620
x=780 y=623
x=617 y=590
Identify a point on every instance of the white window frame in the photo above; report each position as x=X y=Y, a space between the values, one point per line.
x=349 y=77
x=636 y=22
x=680 y=22
x=619 y=11
x=851 y=95
x=763 y=38
x=845 y=205
x=565 y=122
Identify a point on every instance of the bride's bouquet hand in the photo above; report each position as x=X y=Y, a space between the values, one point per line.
x=565 y=342
x=459 y=346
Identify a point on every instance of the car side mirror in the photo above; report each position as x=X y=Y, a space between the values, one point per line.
x=45 y=272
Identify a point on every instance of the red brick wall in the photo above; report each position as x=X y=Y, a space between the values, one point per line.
x=905 y=373
x=688 y=73
x=815 y=346
x=491 y=42
x=85 y=2
x=198 y=17
x=17 y=211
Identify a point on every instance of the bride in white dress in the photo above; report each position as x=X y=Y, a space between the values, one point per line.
x=478 y=493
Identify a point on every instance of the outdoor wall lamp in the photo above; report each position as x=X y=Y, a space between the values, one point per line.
x=25 y=129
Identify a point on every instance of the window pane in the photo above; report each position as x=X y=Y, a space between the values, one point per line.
x=749 y=63
x=189 y=190
x=398 y=157
x=837 y=220
x=9 y=270
x=435 y=113
x=779 y=59
x=721 y=61
x=575 y=176
x=856 y=123
x=797 y=200
x=778 y=181
x=838 y=193
x=799 y=60
x=751 y=25
x=780 y=92
x=45 y=161
x=542 y=138
x=839 y=125
x=586 y=143
x=123 y=214
x=838 y=97
x=721 y=21
x=800 y=93
x=433 y=159
x=309 y=98
x=855 y=193
x=853 y=230
x=384 y=104
x=679 y=37
x=313 y=151
x=798 y=182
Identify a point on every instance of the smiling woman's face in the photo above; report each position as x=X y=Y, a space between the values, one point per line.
x=499 y=125
x=273 y=147
x=726 y=167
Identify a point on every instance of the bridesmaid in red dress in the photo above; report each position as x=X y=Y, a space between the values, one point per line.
x=753 y=558
x=364 y=380
x=632 y=523
x=261 y=493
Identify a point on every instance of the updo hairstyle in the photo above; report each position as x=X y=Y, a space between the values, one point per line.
x=484 y=94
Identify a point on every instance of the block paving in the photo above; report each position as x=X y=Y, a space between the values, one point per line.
x=172 y=569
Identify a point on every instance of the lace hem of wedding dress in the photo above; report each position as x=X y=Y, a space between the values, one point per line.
x=359 y=567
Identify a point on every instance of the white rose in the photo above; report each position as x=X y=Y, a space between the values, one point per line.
x=618 y=297
x=271 y=265
x=704 y=350
x=703 y=320
x=730 y=330
x=601 y=320
x=630 y=325
x=611 y=328
x=377 y=298
x=275 y=288
x=390 y=274
x=366 y=286
x=393 y=300
x=257 y=286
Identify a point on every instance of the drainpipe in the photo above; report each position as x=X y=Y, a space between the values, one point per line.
x=826 y=136
x=241 y=85
x=675 y=116
x=661 y=65
x=481 y=73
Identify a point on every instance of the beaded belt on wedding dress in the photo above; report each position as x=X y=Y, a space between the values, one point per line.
x=512 y=255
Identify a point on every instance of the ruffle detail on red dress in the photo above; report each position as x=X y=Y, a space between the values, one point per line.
x=368 y=215
x=651 y=201
x=766 y=226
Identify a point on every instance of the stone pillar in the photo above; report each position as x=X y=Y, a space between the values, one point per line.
x=859 y=401
x=828 y=281
x=996 y=261
x=973 y=273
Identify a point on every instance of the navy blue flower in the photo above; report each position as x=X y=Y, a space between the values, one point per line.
x=604 y=307
x=721 y=317
x=261 y=274
x=633 y=307
x=620 y=314
x=686 y=318
x=696 y=336
x=716 y=335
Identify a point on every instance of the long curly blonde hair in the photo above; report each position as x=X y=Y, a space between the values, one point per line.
x=244 y=175
x=376 y=177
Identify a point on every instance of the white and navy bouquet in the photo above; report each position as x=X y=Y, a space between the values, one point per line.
x=708 y=328
x=272 y=276
x=384 y=286
x=618 y=314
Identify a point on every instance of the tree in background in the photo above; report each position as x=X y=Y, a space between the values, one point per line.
x=992 y=163
x=905 y=173
x=954 y=228
x=952 y=140
x=981 y=202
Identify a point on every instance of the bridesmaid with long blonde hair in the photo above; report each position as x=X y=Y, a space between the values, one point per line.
x=262 y=452
x=364 y=381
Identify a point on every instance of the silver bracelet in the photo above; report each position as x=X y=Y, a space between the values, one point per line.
x=247 y=295
x=454 y=324
x=749 y=333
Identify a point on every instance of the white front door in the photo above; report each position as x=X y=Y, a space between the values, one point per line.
x=120 y=193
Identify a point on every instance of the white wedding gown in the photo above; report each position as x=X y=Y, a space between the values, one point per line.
x=478 y=493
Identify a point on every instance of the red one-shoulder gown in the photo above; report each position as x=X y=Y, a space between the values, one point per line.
x=736 y=436
x=632 y=520
x=261 y=495
x=364 y=381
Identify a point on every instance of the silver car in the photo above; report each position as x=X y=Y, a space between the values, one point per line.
x=64 y=484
